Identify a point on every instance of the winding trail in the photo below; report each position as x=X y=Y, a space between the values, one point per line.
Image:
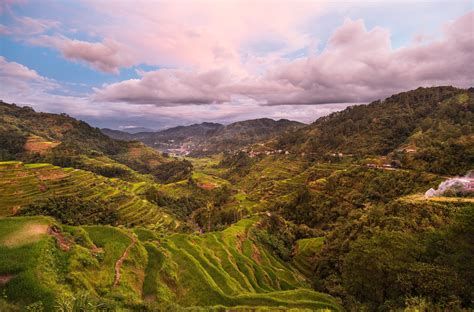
x=118 y=264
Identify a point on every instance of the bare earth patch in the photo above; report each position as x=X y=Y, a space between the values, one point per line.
x=27 y=234
x=63 y=243
x=52 y=175
x=6 y=278
x=207 y=186
x=256 y=254
x=135 y=151
x=37 y=145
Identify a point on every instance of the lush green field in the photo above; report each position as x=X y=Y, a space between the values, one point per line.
x=228 y=268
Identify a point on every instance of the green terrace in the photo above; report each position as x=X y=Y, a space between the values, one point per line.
x=23 y=184
x=226 y=269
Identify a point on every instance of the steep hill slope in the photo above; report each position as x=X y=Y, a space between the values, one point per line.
x=427 y=128
x=225 y=269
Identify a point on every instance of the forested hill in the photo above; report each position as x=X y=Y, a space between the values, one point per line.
x=208 y=138
x=59 y=139
x=427 y=128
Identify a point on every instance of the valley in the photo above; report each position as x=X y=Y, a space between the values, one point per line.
x=296 y=218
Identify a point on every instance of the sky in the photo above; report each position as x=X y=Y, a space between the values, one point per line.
x=157 y=64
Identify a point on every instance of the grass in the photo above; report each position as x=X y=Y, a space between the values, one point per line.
x=25 y=261
x=226 y=268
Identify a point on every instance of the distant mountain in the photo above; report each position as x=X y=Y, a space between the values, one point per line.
x=118 y=134
x=428 y=128
x=207 y=138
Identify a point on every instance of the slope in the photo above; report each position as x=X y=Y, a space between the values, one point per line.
x=210 y=138
x=31 y=136
x=414 y=128
x=25 y=184
x=220 y=269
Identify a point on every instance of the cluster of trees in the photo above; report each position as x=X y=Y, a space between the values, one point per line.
x=238 y=164
x=181 y=207
x=382 y=252
x=280 y=235
x=173 y=171
x=11 y=144
x=387 y=268
x=73 y=211
x=343 y=192
x=80 y=141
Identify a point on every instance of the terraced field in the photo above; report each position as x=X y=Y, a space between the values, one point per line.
x=229 y=268
x=22 y=184
x=219 y=269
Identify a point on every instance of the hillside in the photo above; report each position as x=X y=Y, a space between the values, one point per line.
x=31 y=136
x=218 y=270
x=427 y=128
x=36 y=188
x=209 y=138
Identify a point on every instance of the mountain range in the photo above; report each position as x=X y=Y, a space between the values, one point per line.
x=209 y=138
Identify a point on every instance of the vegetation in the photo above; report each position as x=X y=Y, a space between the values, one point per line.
x=209 y=138
x=216 y=269
x=70 y=210
x=426 y=129
x=328 y=217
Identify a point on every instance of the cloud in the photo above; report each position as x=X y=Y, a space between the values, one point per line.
x=107 y=56
x=5 y=5
x=205 y=34
x=357 y=65
x=17 y=71
x=16 y=77
x=31 y=26
x=27 y=26
x=167 y=87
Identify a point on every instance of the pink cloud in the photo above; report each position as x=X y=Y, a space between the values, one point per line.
x=27 y=26
x=5 y=5
x=107 y=56
x=203 y=34
x=13 y=70
x=18 y=79
x=170 y=87
x=357 y=65
x=30 y=26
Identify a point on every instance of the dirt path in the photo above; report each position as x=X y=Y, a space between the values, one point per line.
x=118 y=264
x=63 y=243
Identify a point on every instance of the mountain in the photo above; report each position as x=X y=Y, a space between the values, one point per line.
x=118 y=134
x=209 y=138
x=59 y=139
x=427 y=128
